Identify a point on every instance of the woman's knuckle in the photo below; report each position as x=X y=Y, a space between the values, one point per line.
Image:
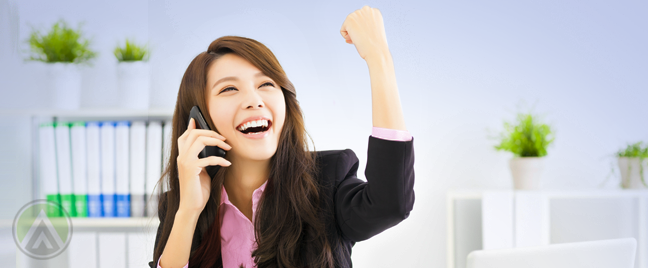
x=203 y=139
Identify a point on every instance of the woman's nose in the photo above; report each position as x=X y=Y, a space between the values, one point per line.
x=253 y=100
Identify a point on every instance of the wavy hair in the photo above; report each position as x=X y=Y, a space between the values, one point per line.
x=289 y=227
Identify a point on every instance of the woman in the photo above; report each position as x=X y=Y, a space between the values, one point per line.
x=273 y=203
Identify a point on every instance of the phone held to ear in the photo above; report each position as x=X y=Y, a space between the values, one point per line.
x=209 y=150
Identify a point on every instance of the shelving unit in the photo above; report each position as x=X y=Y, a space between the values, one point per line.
x=123 y=241
x=41 y=116
x=507 y=219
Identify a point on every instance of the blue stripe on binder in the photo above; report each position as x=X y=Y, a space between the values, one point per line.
x=123 y=123
x=123 y=205
x=108 y=205
x=94 y=205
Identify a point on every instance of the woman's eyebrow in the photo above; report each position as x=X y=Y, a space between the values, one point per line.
x=234 y=78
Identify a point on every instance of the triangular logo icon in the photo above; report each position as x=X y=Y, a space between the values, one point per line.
x=42 y=239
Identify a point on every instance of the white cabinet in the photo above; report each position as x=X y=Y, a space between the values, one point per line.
x=126 y=242
x=507 y=219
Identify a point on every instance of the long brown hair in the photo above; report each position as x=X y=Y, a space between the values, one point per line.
x=289 y=228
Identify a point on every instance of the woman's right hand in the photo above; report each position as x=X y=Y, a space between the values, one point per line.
x=195 y=183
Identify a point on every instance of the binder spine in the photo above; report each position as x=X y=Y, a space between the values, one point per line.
x=138 y=168
x=81 y=205
x=108 y=168
x=67 y=202
x=123 y=205
x=64 y=162
x=95 y=208
x=79 y=166
x=93 y=143
x=153 y=164
x=52 y=211
x=122 y=196
x=48 y=169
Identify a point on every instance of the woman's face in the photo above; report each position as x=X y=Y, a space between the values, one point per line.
x=239 y=93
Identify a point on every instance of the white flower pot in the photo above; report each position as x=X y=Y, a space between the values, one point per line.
x=526 y=172
x=133 y=82
x=65 y=82
x=630 y=172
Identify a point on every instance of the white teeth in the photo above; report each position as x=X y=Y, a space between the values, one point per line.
x=256 y=123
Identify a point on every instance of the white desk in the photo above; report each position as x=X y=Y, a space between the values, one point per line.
x=507 y=219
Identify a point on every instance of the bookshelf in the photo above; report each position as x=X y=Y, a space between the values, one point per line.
x=87 y=114
x=100 y=239
x=38 y=116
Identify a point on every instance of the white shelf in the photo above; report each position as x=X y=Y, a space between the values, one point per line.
x=492 y=219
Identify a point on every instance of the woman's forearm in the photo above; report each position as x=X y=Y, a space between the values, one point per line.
x=386 y=105
x=178 y=246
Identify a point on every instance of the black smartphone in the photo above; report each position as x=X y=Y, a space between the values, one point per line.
x=209 y=150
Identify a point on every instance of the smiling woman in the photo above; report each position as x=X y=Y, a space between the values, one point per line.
x=274 y=203
x=244 y=97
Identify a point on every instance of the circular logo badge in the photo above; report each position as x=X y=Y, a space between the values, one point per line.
x=42 y=229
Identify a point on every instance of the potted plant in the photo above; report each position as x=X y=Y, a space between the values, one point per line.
x=133 y=75
x=528 y=140
x=63 y=49
x=631 y=165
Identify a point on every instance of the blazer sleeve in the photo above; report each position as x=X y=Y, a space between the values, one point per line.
x=364 y=209
x=161 y=214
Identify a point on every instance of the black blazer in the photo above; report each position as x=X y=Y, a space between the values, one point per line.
x=356 y=210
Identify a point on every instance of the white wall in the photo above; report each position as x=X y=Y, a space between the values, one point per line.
x=462 y=68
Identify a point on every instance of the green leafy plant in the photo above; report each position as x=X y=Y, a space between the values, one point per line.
x=635 y=150
x=60 y=44
x=131 y=52
x=527 y=137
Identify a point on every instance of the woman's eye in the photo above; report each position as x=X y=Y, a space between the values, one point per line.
x=264 y=84
x=226 y=89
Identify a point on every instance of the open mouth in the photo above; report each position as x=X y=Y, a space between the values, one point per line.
x=255 y=127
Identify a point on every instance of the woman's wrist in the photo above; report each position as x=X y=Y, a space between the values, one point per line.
x=379 y=58
x=178 y=247
x=187 y=215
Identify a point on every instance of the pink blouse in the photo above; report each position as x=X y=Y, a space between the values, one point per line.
x=237 y=231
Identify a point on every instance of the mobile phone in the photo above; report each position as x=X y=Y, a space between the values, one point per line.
x=209 y=150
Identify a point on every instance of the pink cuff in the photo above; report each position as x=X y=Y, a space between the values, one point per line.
x=158 y=264
x=391 y=134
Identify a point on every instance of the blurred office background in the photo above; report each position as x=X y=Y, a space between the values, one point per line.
x=463 y=67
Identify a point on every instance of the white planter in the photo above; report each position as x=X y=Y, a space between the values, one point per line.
x=526 y=172
x=133 y=82
x=630 y=172
x=65 y=83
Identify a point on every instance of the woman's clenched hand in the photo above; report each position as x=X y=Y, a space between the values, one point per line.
x=365 y=29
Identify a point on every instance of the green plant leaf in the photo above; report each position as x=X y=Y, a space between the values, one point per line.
x=131 y=52
x=526 y=138
x=60 y=44
x=634 y=150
